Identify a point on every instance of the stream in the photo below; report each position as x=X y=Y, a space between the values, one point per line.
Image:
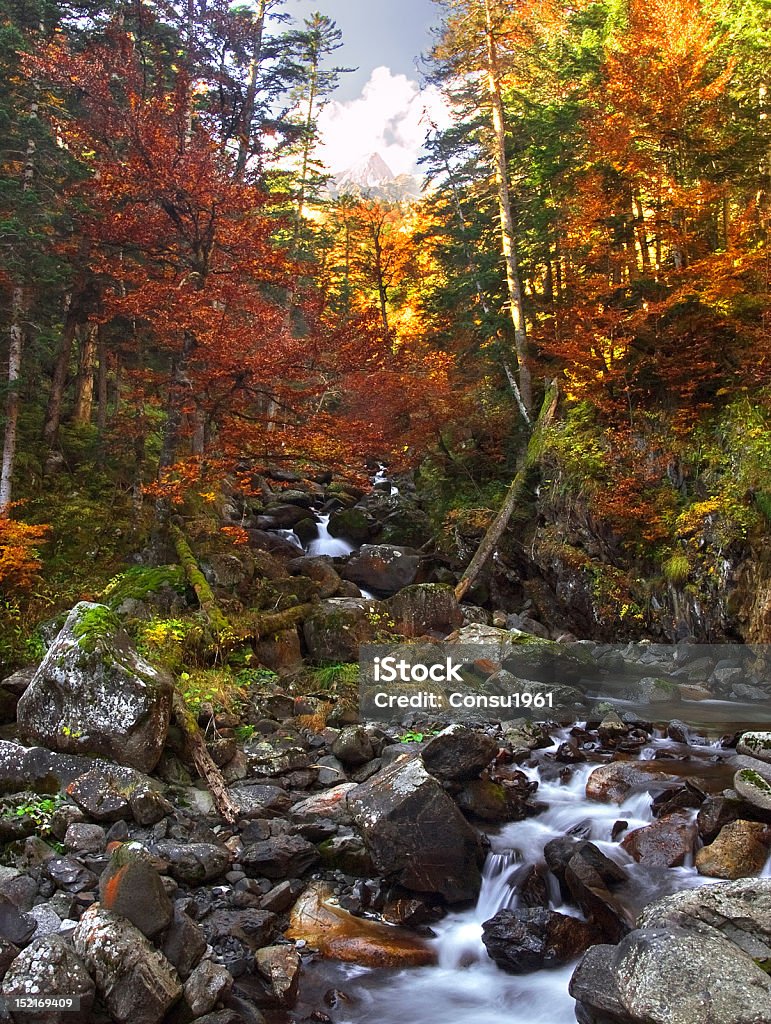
x=466 y=987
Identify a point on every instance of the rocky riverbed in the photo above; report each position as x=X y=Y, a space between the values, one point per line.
x=487 y=871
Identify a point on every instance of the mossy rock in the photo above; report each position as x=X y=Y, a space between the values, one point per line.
x=353 y=524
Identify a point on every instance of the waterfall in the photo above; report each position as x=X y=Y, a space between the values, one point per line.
x=326 y=544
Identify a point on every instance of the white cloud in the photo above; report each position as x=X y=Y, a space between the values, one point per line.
x=391 y=117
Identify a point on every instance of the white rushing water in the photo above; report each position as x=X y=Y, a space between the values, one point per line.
x=466 y=987
x=326 y=544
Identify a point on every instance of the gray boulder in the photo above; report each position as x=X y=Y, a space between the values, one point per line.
x=670 y=976
x=94 y=694
x=739 y=911
x=49 y=966
x=415 y=834
x=426 y=608
x=136 y=981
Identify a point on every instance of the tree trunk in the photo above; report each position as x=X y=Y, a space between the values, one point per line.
x=15 y=347
x=84 y=384
x=202 y=760
x=508 y=234
x=247 y=114
x=53 y=415
x=515 y=495
x=18 y=309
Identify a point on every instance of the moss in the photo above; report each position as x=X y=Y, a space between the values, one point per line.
x=94 y=626
x=137 y=582
x=755 y=779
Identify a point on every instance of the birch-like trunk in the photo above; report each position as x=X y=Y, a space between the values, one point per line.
x=508 y=233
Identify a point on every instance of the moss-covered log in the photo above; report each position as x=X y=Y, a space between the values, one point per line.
x=198 y=582
x=253 y=626
x=202 y=761
x=516 y=494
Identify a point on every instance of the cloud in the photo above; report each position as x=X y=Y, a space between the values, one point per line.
x=391 y=117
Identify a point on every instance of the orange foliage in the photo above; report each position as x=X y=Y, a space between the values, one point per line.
x=19 y=560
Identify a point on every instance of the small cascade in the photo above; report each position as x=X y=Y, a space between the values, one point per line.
x=326 y=544
x=460 y=943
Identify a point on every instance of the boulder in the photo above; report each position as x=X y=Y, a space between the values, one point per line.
x=260 y=801
x=280 y=967
x=109 y=792
x=587 y=879
x=15 y=927
x=739 y=911
x=130 y=885
x=320 y=922
x=353 y=746
x=206 y=986
x=194 y=863
x=94 y=693
x=50 y=967
x=337 y=627
x=320 y=569
x=425 y=608
x=664 y=844
x=354 y=524
x=415 y=834
x=491 y=800
x=755 y=744
x=332 y=804
x=458 y=753
x=136 y=981
x=382 y=568
x=279 y=857
x=754 y=788
x=614 y=782
x=528 y=939
x=184 y=943
x=84 y=838
x=670 y=976
x=740 y=849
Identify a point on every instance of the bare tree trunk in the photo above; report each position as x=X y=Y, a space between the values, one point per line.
x=508 y=234
x=18 y=309
x=84 y=384
x=251 y=91
x=101 y=384
x=515 y=494
x=15 y=348
x=53 y=415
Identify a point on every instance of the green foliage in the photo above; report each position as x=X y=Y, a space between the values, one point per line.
x=331 y=677
x=417 y=737
x=217 y=687
x=244 y=732
x=170 y=642
x=676 y=568
x=39 y=810
x=20 y=643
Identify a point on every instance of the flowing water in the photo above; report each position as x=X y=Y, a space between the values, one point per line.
x=326 y=544
x=465 y=987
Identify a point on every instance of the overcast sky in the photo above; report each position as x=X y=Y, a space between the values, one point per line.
x=379 y=108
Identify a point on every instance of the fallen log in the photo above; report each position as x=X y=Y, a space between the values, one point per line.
x=202 y=761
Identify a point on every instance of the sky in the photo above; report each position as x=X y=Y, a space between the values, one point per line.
x=380 y=107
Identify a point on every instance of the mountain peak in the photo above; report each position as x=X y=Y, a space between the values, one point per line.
x=365 y=173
